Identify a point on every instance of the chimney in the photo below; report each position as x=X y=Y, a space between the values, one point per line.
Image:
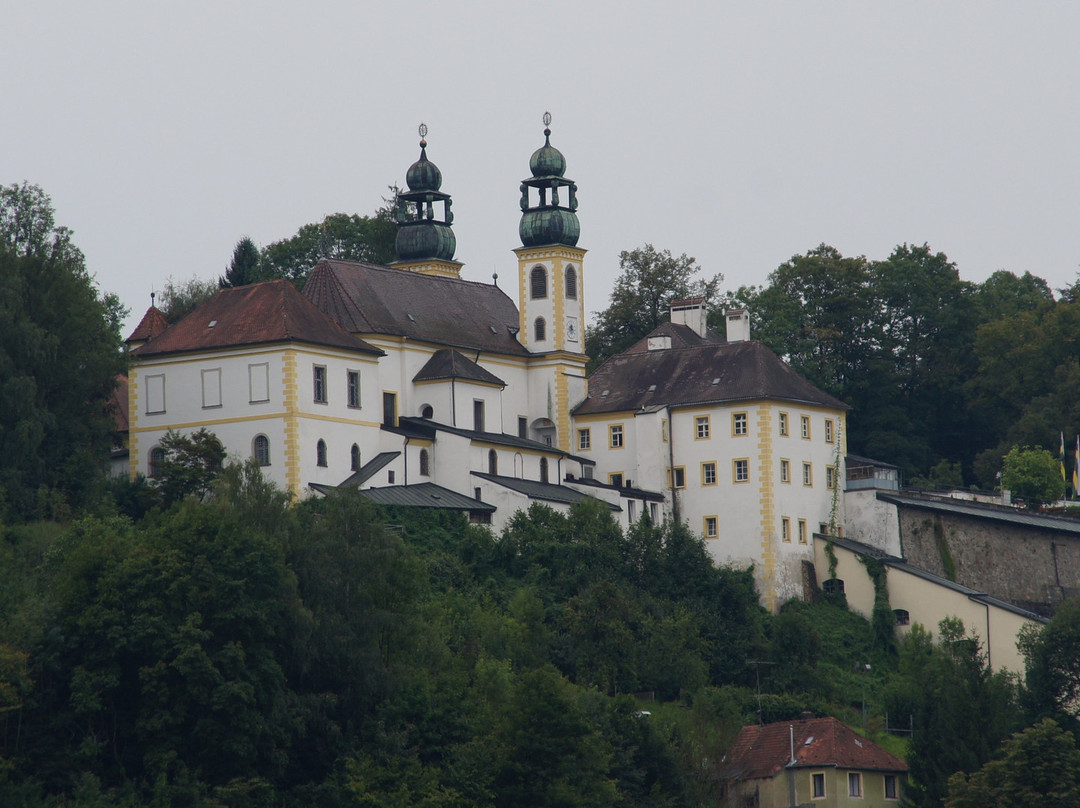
x=691 y=313
x=738 y=325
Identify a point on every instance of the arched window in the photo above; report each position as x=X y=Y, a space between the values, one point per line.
x=425 y=465
x=354 y=458
x=540 y=329
x=493 y=462
x=571 y=283
x=903 y=617
x=833 y=586
x=543 y=469
x=260 y=450
x=157 y=457
x=320 y=453
x=538 y=282
x=426 y=412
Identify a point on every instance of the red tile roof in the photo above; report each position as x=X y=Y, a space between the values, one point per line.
x=369 y=299
x=764 y=751
x=269 y=312
x=151 y=325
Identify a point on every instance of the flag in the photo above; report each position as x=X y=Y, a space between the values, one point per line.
x=1061 y=458
x=1076 y=470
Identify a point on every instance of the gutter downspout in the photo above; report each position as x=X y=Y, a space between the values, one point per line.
x=453 y=402
x=671 y=464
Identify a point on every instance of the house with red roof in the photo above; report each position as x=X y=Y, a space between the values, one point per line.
x=811 y=762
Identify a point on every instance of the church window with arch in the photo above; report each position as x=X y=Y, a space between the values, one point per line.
x=540 y=329
x=571 y=283
x=538 y=282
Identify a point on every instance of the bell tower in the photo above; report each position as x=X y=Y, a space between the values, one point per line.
x=424 y=242
x=551 y=298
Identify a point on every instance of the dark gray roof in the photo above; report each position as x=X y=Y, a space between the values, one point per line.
x=900 y=564
x=424 y=495
x=534 y=489
x=853 y=460
x=367 y=299
x=706 y=374
x=625 y=491
x=447 y=363
x=369 y=469
x=682 y=336
x=976 y=510
x=422 y=425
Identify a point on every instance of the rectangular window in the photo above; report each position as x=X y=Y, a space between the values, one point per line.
x=802 y=531
x=211 y=388
x=652 y=512
x=783 y=425
x=890 y=786
x=615 y=478
x=584 y=439
x=807 y=474
x=854 y=780
x=523 y=427
x=817 y=785
x=708 y=473
x=389 y=409
x=828 y=430
x=710 y=527
x=804 y=420
x=615 y=436
x=478 y=415
x=830 y=477
x=785 y=470
x=155 y=394
x=319 y=384
x=258 y=383
x=678 y=477
x=352 y=380
x=741 y=470
x=701 y=427
x=785 y=529
x=739 y=424
x=631 y=508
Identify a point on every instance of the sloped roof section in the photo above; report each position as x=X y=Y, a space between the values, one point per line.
x=368 y=299
x=706 y=374
x=369 y=469
x=151 y=325
x=251 y=315
x=764 y=751
x=534 y=489
x=682 y=336
x=424 y=495
x=447 y=363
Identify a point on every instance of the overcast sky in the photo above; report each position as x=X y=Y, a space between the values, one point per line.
x=738 y=133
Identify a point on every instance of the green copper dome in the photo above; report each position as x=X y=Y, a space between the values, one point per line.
x=424 y=241
x=548 y=199
x=547 y=161
x=423 y=175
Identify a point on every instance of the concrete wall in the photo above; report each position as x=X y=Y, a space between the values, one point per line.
x=1034 y=568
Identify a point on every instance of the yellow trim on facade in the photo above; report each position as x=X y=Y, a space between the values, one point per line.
x=291 y=387
x=715 y=525
x=587 y=430
x=735 y=461
x=745 y=421
x=611 y=436
x=767 y=504
x=708 y=427
x=563 y=428
x=431 y=266
x=715 y=473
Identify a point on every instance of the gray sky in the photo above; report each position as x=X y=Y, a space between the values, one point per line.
x=738 y=133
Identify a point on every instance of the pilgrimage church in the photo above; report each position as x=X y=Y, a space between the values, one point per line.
x=423 y=388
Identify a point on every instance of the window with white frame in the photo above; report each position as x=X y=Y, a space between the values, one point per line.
x=785 y=529
x=804 y=422
x=783 y=424
x=807 y=474
x=702 y=428
x=584 y=439
x=708 y=473
x=785 y=470
x=854 y=780
x=739 y=424
x=828 y=430
x=678 y=477
x=711 y=527
x=830 y=477
x=802 y=531
x=615 y=434
x=741 y=470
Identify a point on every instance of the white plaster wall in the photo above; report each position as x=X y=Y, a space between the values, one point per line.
x=872 y=521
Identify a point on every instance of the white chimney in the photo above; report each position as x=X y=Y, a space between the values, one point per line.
x=738 y=325
x=691 y=312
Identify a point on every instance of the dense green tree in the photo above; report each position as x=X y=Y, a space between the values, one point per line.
x=180 y=298
x=1032 y=474
x=1004 y=294
x=339 y=235
x=60 y=356
x=1039 y=766
x=190 y=465
x=244 y=267
x=643 y=292
x=960 y=710
x=1052 y=663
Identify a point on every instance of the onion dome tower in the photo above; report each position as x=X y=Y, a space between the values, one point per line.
x=425 y=243
x=551 y=280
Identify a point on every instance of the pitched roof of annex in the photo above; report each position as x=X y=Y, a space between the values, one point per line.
x=261 y=313
x=693 y=375
x=369 y=299
x=763 y=751
x=446 y=363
